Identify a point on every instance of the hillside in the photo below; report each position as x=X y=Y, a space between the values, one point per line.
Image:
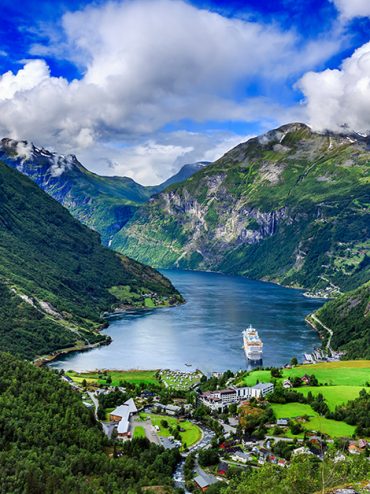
x=55 y=277
x=291 y=206
x=51 y=443
x=105 y=204
x=102 y=203
x=348 y=316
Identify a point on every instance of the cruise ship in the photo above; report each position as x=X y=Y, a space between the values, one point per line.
x=252 y=344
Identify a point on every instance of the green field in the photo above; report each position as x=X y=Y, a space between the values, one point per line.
x=191 y=435
x=333 y=428
x=334 y=395
x=139 y=432
x=343 y=373
x=131 y=376
x=292 y=410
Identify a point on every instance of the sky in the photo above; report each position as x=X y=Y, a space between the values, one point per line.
x=140 y=87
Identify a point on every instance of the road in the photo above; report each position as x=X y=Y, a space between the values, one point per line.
x=317 y=320
x=108 y=427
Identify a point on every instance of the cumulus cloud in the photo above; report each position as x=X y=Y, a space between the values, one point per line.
x=146 y=63
x=339 y=97
x=353 y=8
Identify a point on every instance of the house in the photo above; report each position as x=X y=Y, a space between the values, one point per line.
x=362 y=443
x=354 y=449
x=204 y=481
x=282 y=422
x=222 y=468
x=169 y=409
x=282 y=463
x=301 y=451
x=241 y=457
x=306 y=379
x=122 y=415
x=287 y=384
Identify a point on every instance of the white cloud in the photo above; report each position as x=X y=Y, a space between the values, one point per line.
x=353 y=8
x=154 y=160
x=341 y=96
x=147 y=63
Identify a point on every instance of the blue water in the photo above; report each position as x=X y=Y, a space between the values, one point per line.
x=206 y=331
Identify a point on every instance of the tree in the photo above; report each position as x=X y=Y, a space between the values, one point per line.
x=294 y=361
x=164 y=423
x=208 y=457
x=275 y=372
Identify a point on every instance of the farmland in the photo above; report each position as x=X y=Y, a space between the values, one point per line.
x=342 y=373
x=114 y=377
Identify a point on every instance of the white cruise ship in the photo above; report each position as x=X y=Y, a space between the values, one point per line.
x=252 y=344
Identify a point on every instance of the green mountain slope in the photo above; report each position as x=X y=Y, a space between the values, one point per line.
x=56 y=279
x=290 y=206
x=103 y=203
x=348 y=316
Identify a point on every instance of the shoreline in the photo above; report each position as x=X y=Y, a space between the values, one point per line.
x=45 y=359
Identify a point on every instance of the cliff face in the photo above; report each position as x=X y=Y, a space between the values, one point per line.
x=290 y=206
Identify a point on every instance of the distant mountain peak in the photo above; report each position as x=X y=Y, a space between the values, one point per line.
x=27 y=151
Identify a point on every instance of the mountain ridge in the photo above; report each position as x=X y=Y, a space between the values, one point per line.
x=257 y=209
x=56 y=279
x=104 y=203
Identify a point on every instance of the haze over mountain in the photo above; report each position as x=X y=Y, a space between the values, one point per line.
x=104 y=204
x=290 y=206
x=56 y=279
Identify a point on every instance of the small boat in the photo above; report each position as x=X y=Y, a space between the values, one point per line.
x=188 y=365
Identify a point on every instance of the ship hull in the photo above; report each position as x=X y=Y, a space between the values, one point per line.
x=254 y=356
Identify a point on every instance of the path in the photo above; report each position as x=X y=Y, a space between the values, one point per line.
x=330 y=331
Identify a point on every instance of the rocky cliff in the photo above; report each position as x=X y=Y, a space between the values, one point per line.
x=290 y=206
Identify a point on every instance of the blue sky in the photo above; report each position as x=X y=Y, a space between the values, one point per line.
x=139 y=87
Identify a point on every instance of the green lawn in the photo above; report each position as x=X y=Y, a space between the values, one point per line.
x=333 y=428
x=334 y=395
x=343 y=373
x=191 y=435
x=139 y=432
x=292 y=410
x=132 y=376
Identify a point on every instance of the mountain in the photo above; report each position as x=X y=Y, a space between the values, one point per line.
x=348 y=316
x=105 y=204
x=185 y=172
x=291 y=206
x=56 y=279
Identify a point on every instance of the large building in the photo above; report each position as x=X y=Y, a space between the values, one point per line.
x=122 y=415
x=217 y=400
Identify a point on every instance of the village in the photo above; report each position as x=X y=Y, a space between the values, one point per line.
x=220 y=426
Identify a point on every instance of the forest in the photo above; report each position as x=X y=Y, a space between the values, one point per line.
x=50 y=443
